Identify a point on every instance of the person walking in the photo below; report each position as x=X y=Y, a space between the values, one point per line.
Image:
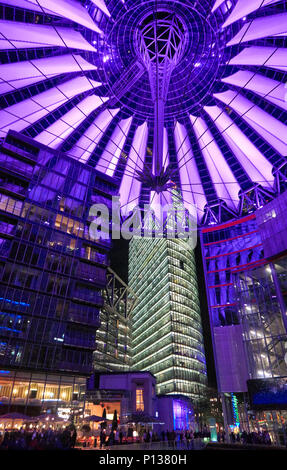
x=121 y=437
x=73 y=438
x=102 y=438
x=173 y=439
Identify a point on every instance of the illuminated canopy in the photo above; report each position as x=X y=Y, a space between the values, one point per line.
x=156 y=94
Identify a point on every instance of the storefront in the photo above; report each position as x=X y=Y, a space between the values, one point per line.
x=36 y=394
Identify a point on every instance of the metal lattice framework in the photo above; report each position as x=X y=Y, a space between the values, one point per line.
x=161 y=45
x=73 y=77
x=113 y=351
x=161 y=42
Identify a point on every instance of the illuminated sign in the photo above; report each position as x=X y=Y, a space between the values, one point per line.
x=235 y=410
x=64 y=413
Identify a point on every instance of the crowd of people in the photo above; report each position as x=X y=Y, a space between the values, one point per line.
x=262 y=437
x=177 y=439
x=35 y=439
x=173 y=439
x=65 y=439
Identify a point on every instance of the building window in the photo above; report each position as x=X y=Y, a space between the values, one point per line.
x=139 y=399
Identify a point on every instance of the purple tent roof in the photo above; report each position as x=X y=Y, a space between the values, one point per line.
x=219 y=123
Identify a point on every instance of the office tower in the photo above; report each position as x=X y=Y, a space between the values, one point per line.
x=113 y=338
x=227 y=249
x=52 y=275
x=166 y=324
x=244 y=263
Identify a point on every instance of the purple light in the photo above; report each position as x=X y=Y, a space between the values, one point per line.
x=155 y=97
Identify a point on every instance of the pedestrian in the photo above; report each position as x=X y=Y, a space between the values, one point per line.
x=103 y=438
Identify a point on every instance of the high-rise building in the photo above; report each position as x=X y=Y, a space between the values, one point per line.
x=245 y=271
x=51 y=275
x=226 y=249
x=166 y=324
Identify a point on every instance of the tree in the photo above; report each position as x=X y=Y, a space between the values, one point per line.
x=104 y=416
x=115 y=421
x=208 y=406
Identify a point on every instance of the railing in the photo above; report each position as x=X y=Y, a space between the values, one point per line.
x=91 y=272
x=19 y=151
x=16 y=168
x=82 y=343
x=84 y=319
x=93 y=298
x=72 y=366
x=12 y=188
x=14 y=297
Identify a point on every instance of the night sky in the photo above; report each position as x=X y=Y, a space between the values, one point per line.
x=119 y=263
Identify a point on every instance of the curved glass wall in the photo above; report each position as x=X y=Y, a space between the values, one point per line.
x=166 y=325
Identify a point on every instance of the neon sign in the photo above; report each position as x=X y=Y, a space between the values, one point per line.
x=235 y=410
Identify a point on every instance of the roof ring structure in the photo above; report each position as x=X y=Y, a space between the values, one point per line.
x=157 y=94
x=161 y=38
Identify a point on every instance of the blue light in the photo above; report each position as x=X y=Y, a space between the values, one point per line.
x=24 y=304
x=9 y=329
x=180 y=415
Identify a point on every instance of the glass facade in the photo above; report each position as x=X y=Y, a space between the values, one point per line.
x=51 y=271
x=264 y=334
x=261 y=297
x=272 y=222
x=166 y=324
x=280 y=268
x=34 y=393
x=225 y=249
x=228 y=249
x=246 y=285
x=182 y=415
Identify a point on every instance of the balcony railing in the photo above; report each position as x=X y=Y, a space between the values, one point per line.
x=92 y=298
x=78 y=342
x=72 y=366
x=84 y=319
x=19 y=150
x=12 y=188
x=16 y=168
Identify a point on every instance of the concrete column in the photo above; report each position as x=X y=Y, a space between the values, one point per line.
x=158 y=136
x=225 y=417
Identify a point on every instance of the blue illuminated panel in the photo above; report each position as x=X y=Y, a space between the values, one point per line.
x=268 y=393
